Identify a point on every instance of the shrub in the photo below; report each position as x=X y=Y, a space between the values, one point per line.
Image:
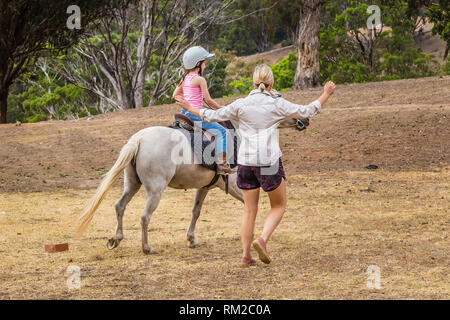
x=284 y=72
x=446 y=67
x=242 y=86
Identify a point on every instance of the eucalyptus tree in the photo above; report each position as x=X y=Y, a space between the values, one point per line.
x=29 y=27
x=131 y=57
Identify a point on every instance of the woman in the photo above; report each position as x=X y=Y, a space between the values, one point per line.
x=259 y=158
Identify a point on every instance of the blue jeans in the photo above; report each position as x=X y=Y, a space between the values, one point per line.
x=213 y=128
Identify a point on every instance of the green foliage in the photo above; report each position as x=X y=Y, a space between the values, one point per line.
x=351 y=53
x=284 y=72
x=446 y=67
x=42 y=94
x=36 y=118
x=243 y=85
x=256 y=26
x=31 y=27
x=216 y=75
x=236 y=38
x=411 y=64
x=14 y=111
x=346 y=71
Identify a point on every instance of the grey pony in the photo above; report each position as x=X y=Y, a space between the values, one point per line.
x=156 y=157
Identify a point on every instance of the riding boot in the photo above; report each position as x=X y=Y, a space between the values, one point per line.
x=222 y=166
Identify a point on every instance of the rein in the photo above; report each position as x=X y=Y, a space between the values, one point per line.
x=288 y=126
x=300 y=124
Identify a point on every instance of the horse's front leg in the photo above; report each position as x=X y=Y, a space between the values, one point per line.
x=199 y=198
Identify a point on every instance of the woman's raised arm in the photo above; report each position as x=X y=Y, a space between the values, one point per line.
x=292 y=110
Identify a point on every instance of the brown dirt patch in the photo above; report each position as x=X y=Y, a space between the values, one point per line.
x=398 y=125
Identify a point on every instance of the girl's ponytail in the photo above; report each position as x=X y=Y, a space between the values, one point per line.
x=182 y=80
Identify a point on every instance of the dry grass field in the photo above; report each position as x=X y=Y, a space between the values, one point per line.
x=341 y=218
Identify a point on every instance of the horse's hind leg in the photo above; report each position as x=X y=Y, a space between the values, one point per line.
x=199 y=198
x=131 y=186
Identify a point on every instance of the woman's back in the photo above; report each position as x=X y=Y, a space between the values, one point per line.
x=256 y=119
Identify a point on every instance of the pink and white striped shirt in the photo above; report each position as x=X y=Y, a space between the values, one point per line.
x=192 y=93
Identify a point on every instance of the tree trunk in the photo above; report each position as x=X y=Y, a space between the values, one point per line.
x=139 y=90
x=152 y=101
x=262 y=43
x=307 y=74
x=3 y=104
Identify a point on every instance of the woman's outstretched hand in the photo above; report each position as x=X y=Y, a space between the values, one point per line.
x=328 y=90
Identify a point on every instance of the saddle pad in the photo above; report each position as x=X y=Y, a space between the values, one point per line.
x=198 y=152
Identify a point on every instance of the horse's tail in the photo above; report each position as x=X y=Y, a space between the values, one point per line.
x=127 y=154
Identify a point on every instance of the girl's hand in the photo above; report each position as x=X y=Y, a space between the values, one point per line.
x=181 y=101
x=177 y=91
x=329 y=88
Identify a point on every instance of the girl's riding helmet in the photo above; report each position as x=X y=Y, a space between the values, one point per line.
x=194 y=55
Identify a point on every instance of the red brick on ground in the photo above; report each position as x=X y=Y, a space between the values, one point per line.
x=56 y=247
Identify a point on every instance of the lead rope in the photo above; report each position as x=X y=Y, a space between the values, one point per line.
x=225 y=179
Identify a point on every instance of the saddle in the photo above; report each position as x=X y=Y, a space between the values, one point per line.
x=188 y=128
x=186 y=123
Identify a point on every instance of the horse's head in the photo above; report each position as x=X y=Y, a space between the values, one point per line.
x=300 y=123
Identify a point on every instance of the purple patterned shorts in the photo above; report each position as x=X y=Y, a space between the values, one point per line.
x=268 y=178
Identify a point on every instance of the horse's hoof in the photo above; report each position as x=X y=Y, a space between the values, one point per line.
x=193 y=243
x=148 y=250
x=112 y=243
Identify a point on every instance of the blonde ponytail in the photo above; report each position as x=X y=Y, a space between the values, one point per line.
x=263 y=77
x=262 y=86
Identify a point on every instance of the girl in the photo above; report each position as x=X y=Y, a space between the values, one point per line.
x=259 y=163
x=194 y=89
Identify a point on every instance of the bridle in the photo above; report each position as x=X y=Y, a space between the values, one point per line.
x=300 y=124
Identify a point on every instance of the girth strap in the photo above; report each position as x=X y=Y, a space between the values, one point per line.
x=214 y=180
x=225 y=179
